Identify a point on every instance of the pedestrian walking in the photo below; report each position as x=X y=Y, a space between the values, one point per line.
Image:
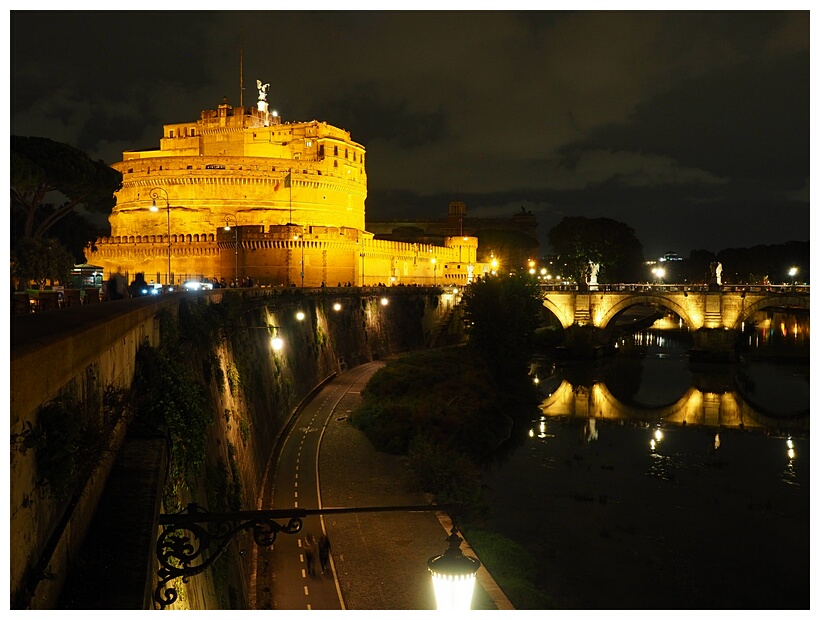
x=310 y=553
x=324 y=553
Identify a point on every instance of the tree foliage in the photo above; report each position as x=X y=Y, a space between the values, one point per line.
x=501 y=315
x=40 y=260
x=42 y=168
x=579 y=241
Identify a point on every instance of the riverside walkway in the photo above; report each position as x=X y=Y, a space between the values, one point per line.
x=378 y=559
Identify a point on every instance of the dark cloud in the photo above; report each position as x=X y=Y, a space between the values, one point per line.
x=374 y=115
x=691 y=127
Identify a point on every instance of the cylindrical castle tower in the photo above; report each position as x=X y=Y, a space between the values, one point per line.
x=234 y=166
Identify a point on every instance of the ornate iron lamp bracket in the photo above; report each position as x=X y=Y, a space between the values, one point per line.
x=184 y=546
x=192 y=540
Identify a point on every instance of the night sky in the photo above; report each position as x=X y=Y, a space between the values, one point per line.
x=690 y=127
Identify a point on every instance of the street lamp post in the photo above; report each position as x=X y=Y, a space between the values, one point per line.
x=301 y=238
x=659 y=273
x=793 y=274
x=276 y=341
x=155 y=193
x=235 y=247
x=453 y=576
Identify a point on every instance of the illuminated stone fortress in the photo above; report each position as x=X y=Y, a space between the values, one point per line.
x=238 y=193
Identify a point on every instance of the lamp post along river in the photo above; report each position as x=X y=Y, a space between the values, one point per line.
x=155 y=193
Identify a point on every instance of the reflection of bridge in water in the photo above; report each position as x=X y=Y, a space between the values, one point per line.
x=694 y=408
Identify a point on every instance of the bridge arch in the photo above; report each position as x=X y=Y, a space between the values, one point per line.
x=564 y=314
x=660 y=300
x=770 y=302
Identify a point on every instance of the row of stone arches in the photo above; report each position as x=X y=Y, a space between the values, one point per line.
x=566 y=315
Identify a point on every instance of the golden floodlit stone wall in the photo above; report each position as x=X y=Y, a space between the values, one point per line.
x=292 y=194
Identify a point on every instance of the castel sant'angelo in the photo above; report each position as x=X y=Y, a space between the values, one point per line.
x=240 y=194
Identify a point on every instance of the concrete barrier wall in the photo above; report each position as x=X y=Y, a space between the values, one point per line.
x=91 y=355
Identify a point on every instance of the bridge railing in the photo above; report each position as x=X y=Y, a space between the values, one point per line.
x=672 y=288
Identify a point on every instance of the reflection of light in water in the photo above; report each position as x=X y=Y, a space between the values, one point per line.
x=542 y=429
x=592 y=430
x=652 y=444
x=658 y=434
x=790 y=452
x=717 y=441
x=789 y=475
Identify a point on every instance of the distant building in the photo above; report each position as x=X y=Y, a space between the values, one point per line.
x=240 y=193
x=513 y=240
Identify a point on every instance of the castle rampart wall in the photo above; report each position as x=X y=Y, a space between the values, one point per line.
x=330 y=255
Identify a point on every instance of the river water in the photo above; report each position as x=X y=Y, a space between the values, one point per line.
x=646 y=482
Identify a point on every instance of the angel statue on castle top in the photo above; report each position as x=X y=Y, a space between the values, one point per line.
x=263 y=90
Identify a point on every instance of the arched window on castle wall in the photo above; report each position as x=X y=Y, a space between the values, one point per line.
x=131 y=239
x=171 y=134
x=189 y=238
x=196 y=238
x=211 y=237
x=335 y=151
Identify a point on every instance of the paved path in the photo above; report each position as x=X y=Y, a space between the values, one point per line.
x=378 y=559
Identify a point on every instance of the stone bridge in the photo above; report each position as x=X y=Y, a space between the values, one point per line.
x=699 y=307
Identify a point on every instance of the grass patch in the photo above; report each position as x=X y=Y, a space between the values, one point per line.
x=512 y=566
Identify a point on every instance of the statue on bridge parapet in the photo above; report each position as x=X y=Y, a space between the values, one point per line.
x=715 y=281
x=592 y=279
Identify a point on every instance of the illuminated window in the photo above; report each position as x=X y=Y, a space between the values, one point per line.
x=308 y=143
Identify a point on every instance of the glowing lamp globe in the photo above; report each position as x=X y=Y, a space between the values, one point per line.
x=453 y=576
